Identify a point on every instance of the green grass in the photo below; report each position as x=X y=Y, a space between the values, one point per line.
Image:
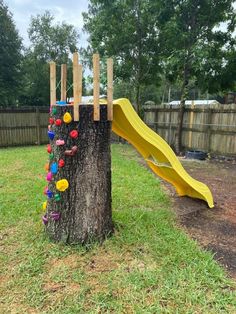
x=148 y=266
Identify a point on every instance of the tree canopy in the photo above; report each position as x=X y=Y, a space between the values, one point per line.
x=49 y=42
x=124 y=30
x=10 y=58
x=194 y=47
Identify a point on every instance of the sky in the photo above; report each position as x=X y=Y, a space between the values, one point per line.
x=70 y=11
x=63 y=10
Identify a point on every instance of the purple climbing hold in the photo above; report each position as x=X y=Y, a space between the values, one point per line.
x=45 y=219
x=55 y=216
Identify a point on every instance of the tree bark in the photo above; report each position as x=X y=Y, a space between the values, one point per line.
x=85 y=207
x=184 y=94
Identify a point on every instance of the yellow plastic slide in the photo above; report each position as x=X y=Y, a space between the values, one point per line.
x=157 y=153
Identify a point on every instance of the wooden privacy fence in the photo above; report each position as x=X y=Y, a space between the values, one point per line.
x=208 y=128
x=23 y=126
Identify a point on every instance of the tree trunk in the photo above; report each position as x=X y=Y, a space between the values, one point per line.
x=82 y=213
x=138 y=102
x=180 y=126
x=184 y=94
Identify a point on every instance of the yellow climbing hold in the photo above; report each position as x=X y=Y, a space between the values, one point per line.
x=62 y=185
x=67 y=118
x=45 y=205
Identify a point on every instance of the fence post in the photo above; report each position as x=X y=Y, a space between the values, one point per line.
x=170 y=124
x=191 y=125
x=38 y=127
x=156 y=120
x=209 y=121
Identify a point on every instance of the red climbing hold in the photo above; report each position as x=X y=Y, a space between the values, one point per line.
x=49 y=148
x=61 y=163
x=58 y=122
x=51 y=120
x=74 y=134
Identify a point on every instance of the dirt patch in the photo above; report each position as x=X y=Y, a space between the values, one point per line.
x=214 y=229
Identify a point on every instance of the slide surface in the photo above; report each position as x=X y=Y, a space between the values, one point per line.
x=157 y=153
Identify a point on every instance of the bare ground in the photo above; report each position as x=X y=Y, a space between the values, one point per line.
x=214 y=229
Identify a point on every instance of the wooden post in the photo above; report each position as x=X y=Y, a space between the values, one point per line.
x=209 y=122
x=170 y=126
x=191 y=125
x=52 y=83
x=82 y=213
x=80 y=69
x=96 y=87
x=63 y=81
x=38 y=128
x=76 y=85
x=110 y=89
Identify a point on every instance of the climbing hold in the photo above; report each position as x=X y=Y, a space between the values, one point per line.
x=49 y=148
x=54 y=110
x=62 y=185
x=46 y=166
x=60 y=142
x=49 y=194
x=45 y=205
x=67 y=117
x=54 y=168
x=61 y=102
x=55 y=216
x=51 y=121
x=58 y=122
x=45 y=190
x=61 y=163
x=45 y=219
x=49 y=176
x=57 y=197
x=72 y=151
x=51 y=135
x=51 y=156
x=49 y=127
x=74 y=134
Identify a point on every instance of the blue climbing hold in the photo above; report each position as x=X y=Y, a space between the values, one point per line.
x=54 y=168
x=49 y=194
x=61 y=102
x=51 y=135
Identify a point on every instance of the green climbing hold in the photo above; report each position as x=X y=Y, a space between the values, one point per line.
x=54 y=110
x=51 y=156
x=57 y=197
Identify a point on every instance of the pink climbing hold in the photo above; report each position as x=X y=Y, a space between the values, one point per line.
x=60 y=142
x=49 y=176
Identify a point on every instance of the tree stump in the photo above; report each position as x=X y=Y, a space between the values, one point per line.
x=81 y=213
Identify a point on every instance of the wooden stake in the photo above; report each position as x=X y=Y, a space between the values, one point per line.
x=80 y=69
x=96 y=87
x=76 y=85
x=52 y=83
x=110 y=89
x=63 y=81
